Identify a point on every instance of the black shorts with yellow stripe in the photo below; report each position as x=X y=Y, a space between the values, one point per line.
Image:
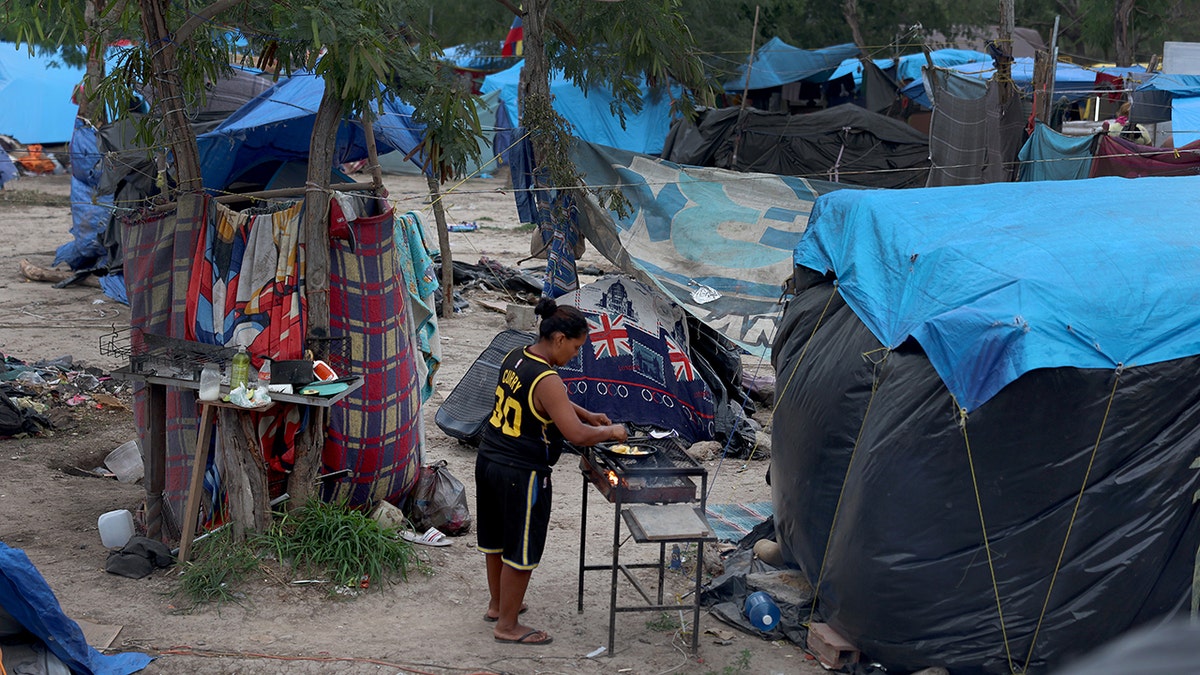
x=512 y=512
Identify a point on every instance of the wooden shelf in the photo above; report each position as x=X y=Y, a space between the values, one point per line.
x=124 y=373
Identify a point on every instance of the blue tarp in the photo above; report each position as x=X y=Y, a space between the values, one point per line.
x=777 y=63
x=25 y=595
x=277 y=126
x=8 y=170
x=1185 y=120
x=1179 y=85
x=1074 y=82
x=89 y=212
x=591 y=114
x=910 y=64
x=35 y=96
x=1049 y=155
x=1000 y=279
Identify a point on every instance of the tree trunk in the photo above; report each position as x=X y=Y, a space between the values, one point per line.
x=168 y=96
x=308 y=448
x=95 y=65
x=439 y=215
x=1004 y=42
x=535 y=75
x=243 y=474
x=850 y=12
x=1122 y=14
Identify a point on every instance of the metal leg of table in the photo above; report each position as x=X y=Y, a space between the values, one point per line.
x=616 y=565
x=582 y=542
x=662 y=559
x=156 y=458
x=696 y=599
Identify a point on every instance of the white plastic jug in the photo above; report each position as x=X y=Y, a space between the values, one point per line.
x=116 y=528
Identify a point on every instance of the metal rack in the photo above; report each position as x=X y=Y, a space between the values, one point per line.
x=162 y=356
x=662 y=488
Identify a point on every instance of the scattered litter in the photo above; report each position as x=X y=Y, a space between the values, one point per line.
x=98 y=301
x=595 y=652
x=463 y=227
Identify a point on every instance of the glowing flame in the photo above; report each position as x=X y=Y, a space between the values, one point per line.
x=612 y=478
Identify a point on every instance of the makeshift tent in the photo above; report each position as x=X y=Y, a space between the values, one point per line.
x=1070 y=80
x=1185 y=120
x=591 y=114
x=908 y=67
x=1120 y=157
x=691 y=231
x=983 y=457
x=486 y=108
x=35 y=96
x=277 y=125
x=777 y=63
x=845 y=143
x=1049 y=155
x=26 y=597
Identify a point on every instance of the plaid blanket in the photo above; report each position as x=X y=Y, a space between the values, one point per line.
x=376 y=430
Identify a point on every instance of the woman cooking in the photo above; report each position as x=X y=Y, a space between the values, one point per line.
x=521 y=442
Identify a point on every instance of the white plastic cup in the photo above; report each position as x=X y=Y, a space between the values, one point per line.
x=116 y=528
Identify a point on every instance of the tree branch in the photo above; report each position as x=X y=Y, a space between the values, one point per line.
x=511 y=7
x=199 y=18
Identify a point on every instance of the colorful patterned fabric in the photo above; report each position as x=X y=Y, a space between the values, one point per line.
x=375 y=431
x=150 y=254
x=420 y=278
x=635 y=365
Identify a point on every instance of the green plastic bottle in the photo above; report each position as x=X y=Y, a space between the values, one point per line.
x=239 y=371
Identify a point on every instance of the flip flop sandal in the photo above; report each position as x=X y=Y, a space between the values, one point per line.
x=432 y=537
x=524 y=639
x=494 y=619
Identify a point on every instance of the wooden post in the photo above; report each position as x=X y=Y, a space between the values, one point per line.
x=1004 y=43
x=368 y=121
x=737 y=136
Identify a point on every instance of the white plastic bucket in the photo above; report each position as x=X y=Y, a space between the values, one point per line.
x=125 y=461
x=116 y=528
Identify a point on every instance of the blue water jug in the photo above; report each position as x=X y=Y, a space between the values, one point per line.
x=762 y=611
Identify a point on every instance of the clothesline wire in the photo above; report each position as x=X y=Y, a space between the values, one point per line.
x=458 y=190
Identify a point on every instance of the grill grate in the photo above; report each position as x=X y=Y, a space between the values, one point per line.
x=163 y=356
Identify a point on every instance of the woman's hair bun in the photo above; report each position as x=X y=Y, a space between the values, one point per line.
x=545 y=307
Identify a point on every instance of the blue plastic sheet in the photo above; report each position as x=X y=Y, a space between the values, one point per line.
x=25 y=595
x=1049 y=155
x=590 y=114
x=777 y=63
x=1000 y=279
x=90 y=212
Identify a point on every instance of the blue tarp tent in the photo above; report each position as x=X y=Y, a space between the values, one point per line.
x=591 y=114
x=909 y=67
x=993 y=285
x=1074 y=82
x=1185 y=120
x=35 y=96
x=778 y=63
x=276 y=127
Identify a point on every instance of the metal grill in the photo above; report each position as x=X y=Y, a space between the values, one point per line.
x=163 y=356
x=662 y=477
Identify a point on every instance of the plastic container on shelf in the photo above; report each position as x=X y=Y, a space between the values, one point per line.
x=210 y=382
x=125 y=462
x=762 y=611
x=239 y=369
x=116 y=528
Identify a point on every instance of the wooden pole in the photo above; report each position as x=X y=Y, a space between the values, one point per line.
x=737 y=137
x=372 y=151
x=1004 y=43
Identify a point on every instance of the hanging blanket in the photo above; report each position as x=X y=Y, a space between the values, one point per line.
x=635 y=365
x=420 y=279
x=374 y=431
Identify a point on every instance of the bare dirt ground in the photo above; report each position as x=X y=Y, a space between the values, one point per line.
x=429 y=624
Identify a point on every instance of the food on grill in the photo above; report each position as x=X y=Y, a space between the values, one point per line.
x=629 y=450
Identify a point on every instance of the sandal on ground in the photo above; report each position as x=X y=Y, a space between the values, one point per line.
x=432 y=537
x=524 y=639
x=494 y=619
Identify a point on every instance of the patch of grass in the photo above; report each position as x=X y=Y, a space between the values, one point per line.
x=486 y=218
x=218 y=566
x=663 y=623
x=340 y=544
x=526 y=227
